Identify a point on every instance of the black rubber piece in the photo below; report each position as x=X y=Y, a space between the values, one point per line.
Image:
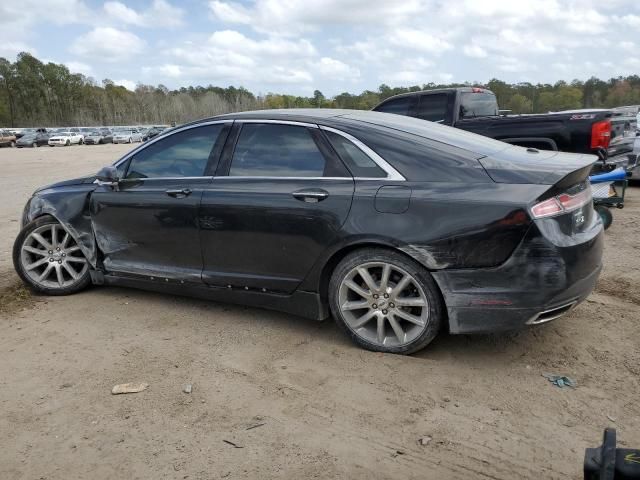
x=421 y=274
x=82 y=283
x=605 y=215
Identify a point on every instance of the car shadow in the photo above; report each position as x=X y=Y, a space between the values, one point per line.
x=485 y=349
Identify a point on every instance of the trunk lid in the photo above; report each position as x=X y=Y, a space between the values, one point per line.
x=543 y=167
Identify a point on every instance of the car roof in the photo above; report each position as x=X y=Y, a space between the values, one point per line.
x=342 y=118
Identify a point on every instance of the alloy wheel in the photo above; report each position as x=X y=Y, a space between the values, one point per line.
x=51 y=258
x=383 y=304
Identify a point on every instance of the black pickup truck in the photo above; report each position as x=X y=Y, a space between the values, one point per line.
x=476 y=110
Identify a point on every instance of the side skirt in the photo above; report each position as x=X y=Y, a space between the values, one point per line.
x=301 y=303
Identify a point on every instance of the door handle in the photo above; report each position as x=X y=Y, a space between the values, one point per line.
x=311 y=196
x=179 y=193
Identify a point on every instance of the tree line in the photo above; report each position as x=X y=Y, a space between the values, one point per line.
x=34 y=93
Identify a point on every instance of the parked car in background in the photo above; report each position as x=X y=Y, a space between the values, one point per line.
x=33 y=139
x=27 y=131
x=398 y=227
x=595 y=131
x=65 y=138
x=7 y=139
x=151 y=132
x=127 y=136
x=98 y=137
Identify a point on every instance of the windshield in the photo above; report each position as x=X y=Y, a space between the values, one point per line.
x=474 y=104
x=94 y=134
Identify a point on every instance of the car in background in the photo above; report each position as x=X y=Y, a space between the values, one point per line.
x=98 y=137
x=151 y=132
x=33 y=139
x=7 y=139
x=593 y=131
x=127 y=136
x=398 y=227
x=66 y=138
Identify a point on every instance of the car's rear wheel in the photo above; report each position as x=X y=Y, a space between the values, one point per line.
x=49 y=260
x=385 y=301
x=67 y=143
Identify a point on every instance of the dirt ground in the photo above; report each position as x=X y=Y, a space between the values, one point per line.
x=275 y=396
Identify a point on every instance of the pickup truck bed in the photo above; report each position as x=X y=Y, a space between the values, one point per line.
x=597 y=131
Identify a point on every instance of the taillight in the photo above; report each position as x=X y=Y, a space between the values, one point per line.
x=560 y=204
x=601 y=134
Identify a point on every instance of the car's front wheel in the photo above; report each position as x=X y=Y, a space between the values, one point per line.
x=385 y=301
x=49 y=260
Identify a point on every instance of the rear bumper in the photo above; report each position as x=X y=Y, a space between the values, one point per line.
x=539 y=283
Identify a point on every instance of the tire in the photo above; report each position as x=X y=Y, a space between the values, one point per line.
x=67 y=143
x=605 y=215
x=13 y=144
x=129 y=140
x=397 y=334
x=52 y=284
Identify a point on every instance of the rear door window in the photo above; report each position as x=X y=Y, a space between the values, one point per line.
x=275 y=150
x=433 y=107
x=399 y=106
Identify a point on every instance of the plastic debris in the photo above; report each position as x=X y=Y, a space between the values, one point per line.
x=560 y=380
x=187 y=388
x=424 y=441
x=129 y=388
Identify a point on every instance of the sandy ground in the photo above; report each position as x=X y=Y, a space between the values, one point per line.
x=321 y=407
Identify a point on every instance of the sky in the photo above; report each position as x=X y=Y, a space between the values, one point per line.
x=298 y=46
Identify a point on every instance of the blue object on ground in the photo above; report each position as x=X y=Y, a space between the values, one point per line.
x=560 y=380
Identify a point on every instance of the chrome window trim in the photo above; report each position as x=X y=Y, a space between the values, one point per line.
x=204 y=177
x=148 y=143
x=392 y=173
x=266 y=177
x=280 y=122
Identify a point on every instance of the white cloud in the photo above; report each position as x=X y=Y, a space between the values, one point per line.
x=418 y=40
x=336 y=69
x=79 y=67
x=295 y=16
x=128 y=84
x=159 y=14
x=11 y=49
x=228 y=56
x=108 y=44
x=474 y=51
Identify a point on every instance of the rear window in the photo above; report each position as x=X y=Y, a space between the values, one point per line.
x=478 y=104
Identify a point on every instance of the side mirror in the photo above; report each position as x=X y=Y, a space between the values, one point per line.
x=107 y=176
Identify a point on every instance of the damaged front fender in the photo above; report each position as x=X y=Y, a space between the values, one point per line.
x=69 y=205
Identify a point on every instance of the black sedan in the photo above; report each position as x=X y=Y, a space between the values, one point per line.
x=33 y=139
x=397 y=227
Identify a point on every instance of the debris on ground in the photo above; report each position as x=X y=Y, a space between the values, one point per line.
x=251 y=427
x=187 y=388
x=424 y=441
x=613 y=419
x=560 y=380
x=234 y=445
x=129 y=388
